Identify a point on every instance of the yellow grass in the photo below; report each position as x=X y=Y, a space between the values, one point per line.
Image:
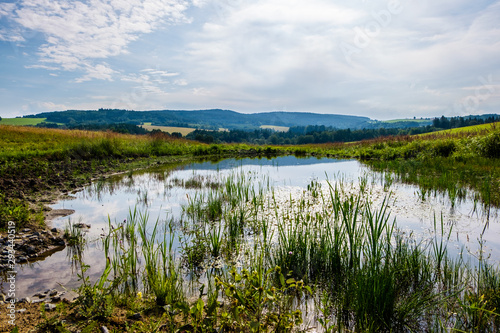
x=276 y=128
x=169 y=129
x=476 y=129
x=14 y=139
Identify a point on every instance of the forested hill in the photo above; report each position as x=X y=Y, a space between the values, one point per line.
x=206 y=119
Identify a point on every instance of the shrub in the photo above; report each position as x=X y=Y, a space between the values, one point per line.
x=444 y=148
x=490 y=145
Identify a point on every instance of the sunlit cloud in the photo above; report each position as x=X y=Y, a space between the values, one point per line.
x=78 y=33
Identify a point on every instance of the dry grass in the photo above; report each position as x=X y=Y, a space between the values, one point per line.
x=169 y=129
x=276 y=128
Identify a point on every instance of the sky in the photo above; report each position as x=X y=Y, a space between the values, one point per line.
x=383 y=59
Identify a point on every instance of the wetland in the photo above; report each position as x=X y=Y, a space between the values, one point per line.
x=256 y=239
x=318 y=219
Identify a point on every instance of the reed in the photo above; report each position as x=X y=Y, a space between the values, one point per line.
x=162 y=277
x=331 y=244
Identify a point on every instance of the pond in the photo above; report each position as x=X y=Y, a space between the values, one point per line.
x=165 y=192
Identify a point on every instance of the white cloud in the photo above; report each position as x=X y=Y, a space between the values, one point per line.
x=51 y=68
x=6 y=8
x=51 y=106
x=10 y=36
x=274 y=52
x=264 y=42
x=155 y=72
x=150 y=77
x=100 y=72
x=80 y=32
x=181 y=82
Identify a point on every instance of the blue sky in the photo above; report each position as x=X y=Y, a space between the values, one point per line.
x=383 y=59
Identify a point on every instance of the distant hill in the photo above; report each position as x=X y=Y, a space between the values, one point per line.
x=206 y=119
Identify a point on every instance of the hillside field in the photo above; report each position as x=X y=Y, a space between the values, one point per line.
x=275 y=128
x=22 y=121
x=169 y=129
x=469 y=129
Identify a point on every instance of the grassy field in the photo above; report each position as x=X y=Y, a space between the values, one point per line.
x=21 y=121
x=276 y=128
x=468 y=129
x=169 y=129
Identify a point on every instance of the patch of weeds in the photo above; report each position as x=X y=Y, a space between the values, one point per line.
x=74 y=235
x=195 y=253
x=53 y=324
x=95 y=300
x=255 y=304
x=13 y=210
x=39 y=217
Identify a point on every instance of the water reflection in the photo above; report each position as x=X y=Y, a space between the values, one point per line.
x=164 y=191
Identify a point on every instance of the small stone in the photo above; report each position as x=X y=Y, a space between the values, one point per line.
x=38 y=301
x=22 y=259
x=25 y=300
x=56 y=299
x=53 y=292
x=26 y=230
x=58 y=241
x=54 y=230
x=104 y=329
x=82 y=225
x=21 y=310
x=30 y=249
x=135 y=316
x=49 y=307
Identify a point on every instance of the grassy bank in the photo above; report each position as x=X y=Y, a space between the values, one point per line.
x=459 y=162
x=37 y=162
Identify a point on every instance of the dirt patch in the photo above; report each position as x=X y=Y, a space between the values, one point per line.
x=38 y=317
x=27 y=316
x=54 y=317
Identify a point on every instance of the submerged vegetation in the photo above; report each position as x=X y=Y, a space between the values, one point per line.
x=242 y=260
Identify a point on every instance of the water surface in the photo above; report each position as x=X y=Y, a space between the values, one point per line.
x=159 y=192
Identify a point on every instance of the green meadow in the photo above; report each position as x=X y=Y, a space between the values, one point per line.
x=22 y=121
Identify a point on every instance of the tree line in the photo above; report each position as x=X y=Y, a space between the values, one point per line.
x=311 y=134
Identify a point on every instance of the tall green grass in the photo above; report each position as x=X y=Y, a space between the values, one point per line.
x=262 y=258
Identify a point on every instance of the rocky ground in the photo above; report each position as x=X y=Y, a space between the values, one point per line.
x=30 y=245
